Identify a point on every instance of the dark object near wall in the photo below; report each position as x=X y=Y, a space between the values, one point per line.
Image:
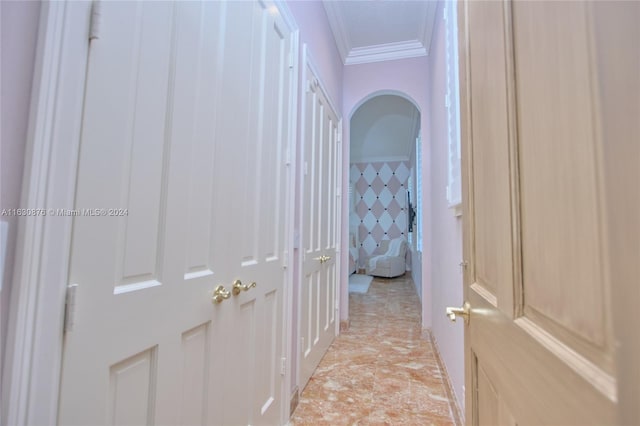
x=412 y=212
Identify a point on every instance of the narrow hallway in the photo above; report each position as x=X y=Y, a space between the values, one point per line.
x=383 y=370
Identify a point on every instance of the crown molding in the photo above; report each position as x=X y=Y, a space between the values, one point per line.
x=386 y=52
x=381 y=159
x=338 y=28
x=381 y=52
x=428 y=24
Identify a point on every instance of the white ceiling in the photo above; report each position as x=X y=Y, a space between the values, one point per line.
x=384 y=129
x=380 y=30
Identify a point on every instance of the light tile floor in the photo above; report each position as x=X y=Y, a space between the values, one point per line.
x=382 y=371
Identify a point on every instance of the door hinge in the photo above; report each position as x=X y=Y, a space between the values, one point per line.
x=283 y=366
x=70 y=307
x=94 y=24
x=290 y=60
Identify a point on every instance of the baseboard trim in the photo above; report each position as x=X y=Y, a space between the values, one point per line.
x=454 y=405
x=293 y=403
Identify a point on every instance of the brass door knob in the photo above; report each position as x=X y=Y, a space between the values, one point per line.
x=238 y=287
x=220 y=294
x=463 y=312
x=323 y=258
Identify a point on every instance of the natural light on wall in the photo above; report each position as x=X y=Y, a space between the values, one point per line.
x=419 y=192
x=452 y=102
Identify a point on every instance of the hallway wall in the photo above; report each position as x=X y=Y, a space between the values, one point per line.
x=315 y=31
x=444 y=235
x=403 y=76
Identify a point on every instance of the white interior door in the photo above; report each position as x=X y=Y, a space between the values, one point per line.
x=254 y=125
x=319 y=225
x=540 y=340
x=185 y=133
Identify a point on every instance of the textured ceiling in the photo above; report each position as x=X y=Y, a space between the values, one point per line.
x=384 y=128
x=379 y=30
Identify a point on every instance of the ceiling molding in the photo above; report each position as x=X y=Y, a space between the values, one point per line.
x=348 y=26
x=338 y=28
x=385 y=52
x=429 y=23
x=385 y=159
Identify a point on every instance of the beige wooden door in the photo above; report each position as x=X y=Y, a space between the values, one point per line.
x=319 y=225
x=540 y=340
x=185 y=132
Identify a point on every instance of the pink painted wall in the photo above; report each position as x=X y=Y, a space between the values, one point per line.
x=19 y=32
x=444 y=235
x=407 y=78
x=315 y=32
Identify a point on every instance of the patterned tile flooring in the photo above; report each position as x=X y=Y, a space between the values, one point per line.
x=382 y=371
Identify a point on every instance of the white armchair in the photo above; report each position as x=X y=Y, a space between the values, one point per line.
x=390 y=264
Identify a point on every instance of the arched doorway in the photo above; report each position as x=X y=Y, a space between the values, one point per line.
x=384 y=178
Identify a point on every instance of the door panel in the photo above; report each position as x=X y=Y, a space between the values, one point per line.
x=492 y=215
x=539 y=346
x=132 y=390
x=488 y=399
x=186 y=126
x=564 y=240
x=195 y=358
x=319 y=227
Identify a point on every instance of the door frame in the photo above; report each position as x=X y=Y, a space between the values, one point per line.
x=287 y=344
x=307 y=60
x=30 y=388
x=34 y=341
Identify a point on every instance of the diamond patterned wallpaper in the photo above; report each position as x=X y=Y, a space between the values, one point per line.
x=380 y=197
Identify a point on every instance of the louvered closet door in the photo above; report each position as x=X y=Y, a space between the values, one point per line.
x=185 y=129
x=320 y=227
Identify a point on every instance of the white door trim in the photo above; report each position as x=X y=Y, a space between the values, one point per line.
x=287 y=343
x=34 y=350
x=307 y=60
x=342 y=256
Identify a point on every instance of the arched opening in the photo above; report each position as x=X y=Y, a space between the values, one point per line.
x=384 y=187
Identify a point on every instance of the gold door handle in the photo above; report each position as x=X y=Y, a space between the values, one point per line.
x=220 y=294
x=321 y=259
x=463 y=312
x=327 y=258
x=238 y=287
